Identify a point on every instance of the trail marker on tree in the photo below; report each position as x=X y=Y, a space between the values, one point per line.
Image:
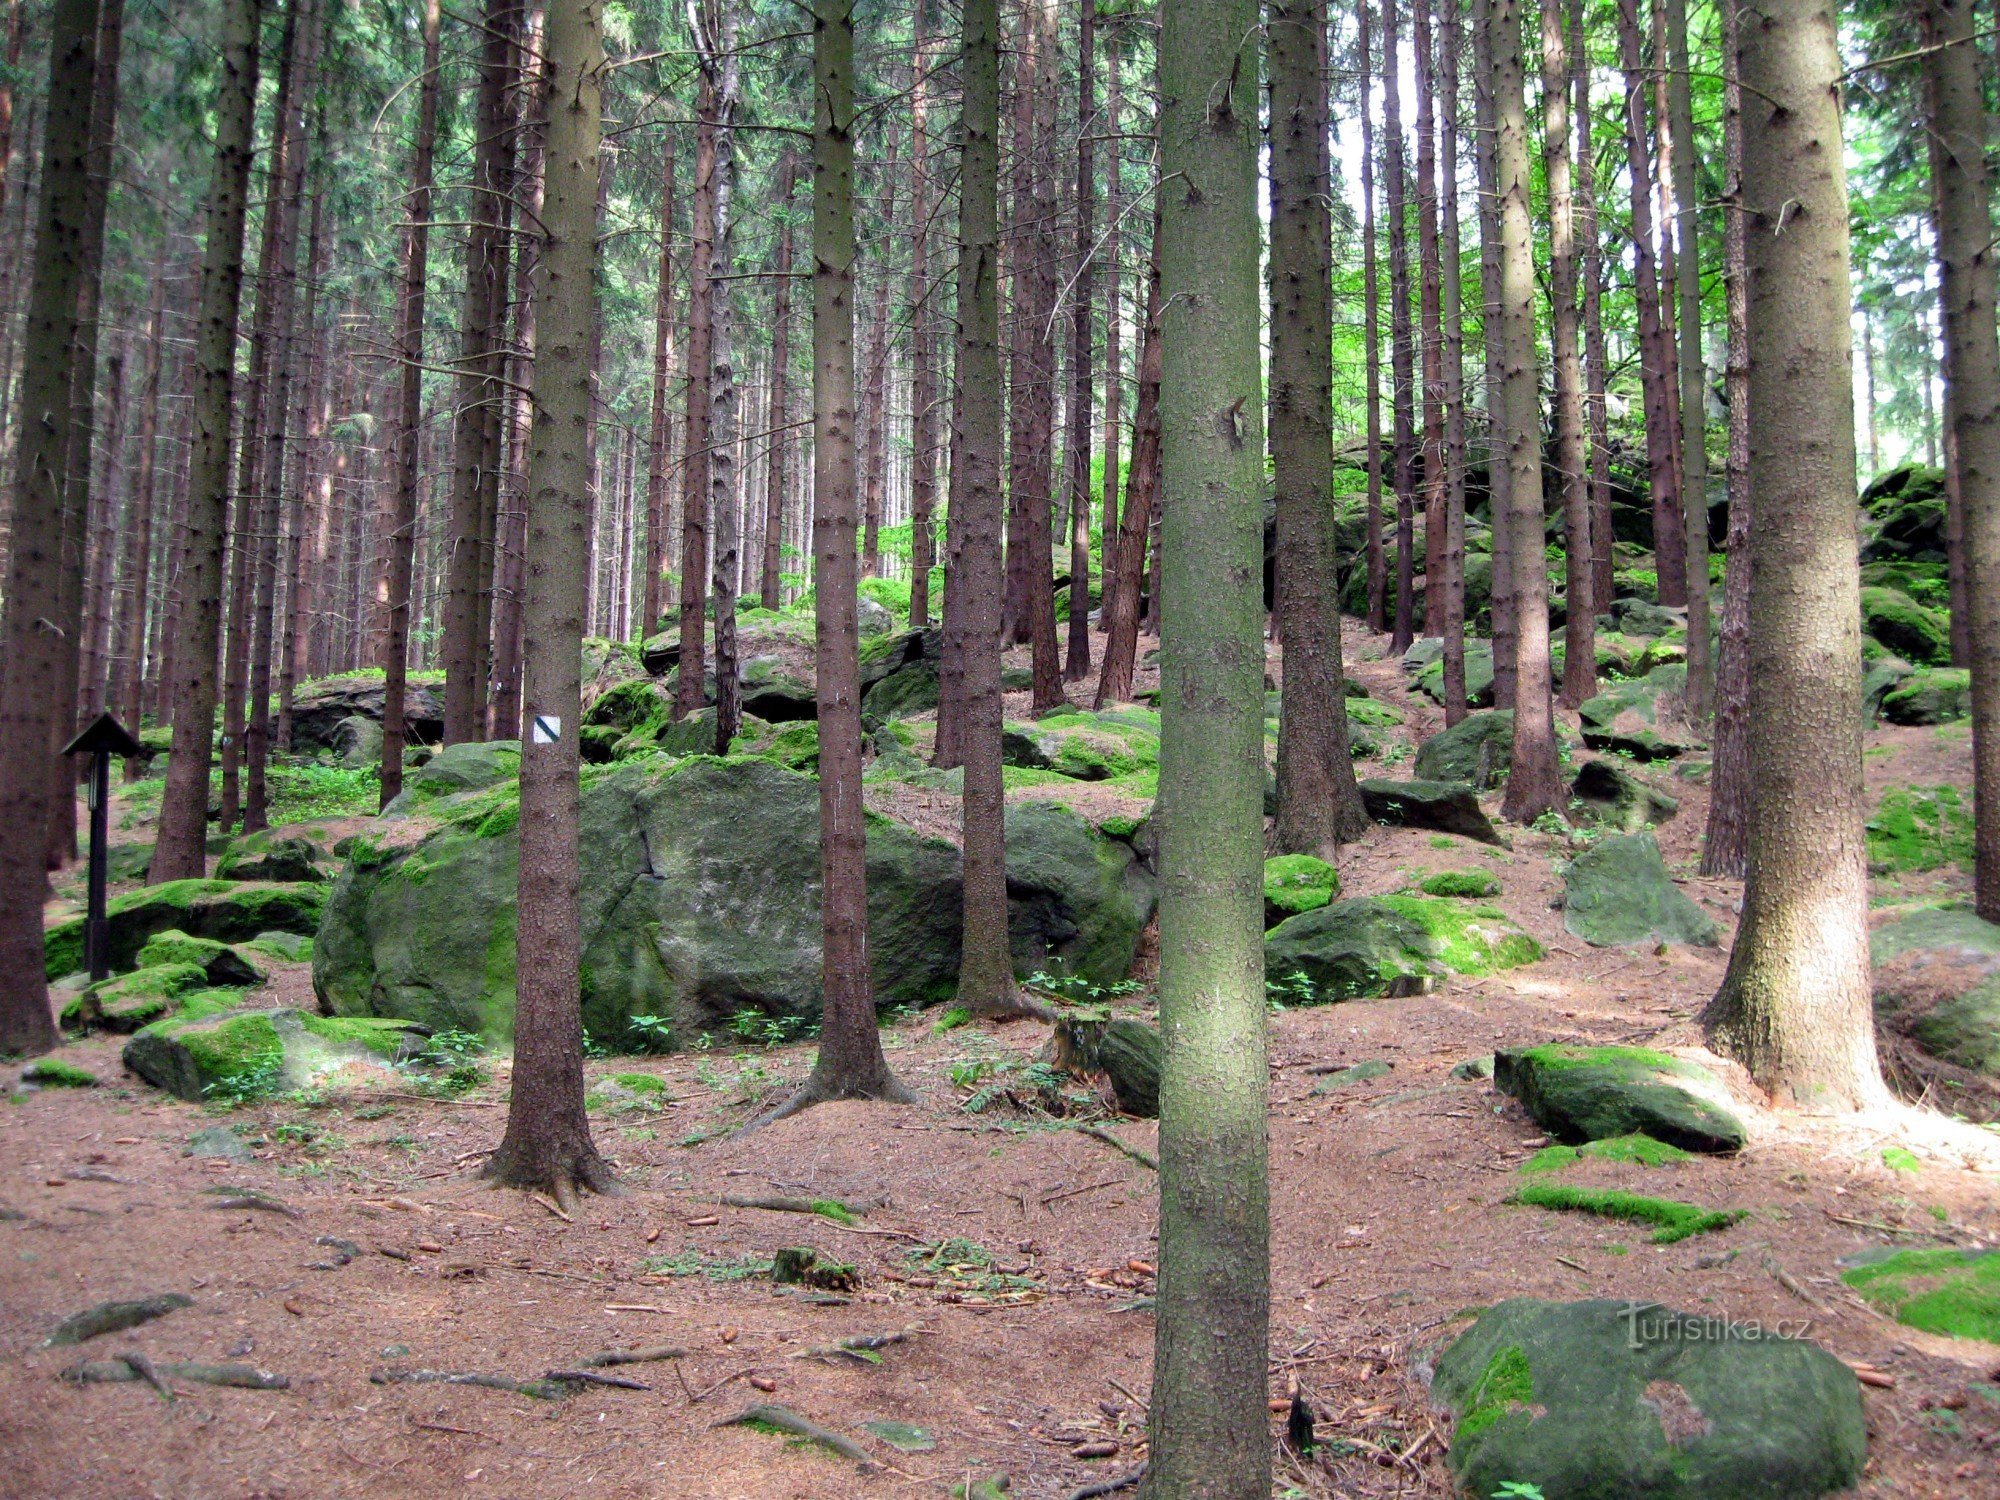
x=104 y=738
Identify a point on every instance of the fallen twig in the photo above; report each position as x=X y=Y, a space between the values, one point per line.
x=1124 y=1481
x=1077 y=1192
x=256 y=1201
x=591 y=1377
x=784 y=1419
x=127 y=1367
x=631 y=1356
x=541 y=1390
x=1099 y=1133
x=114 y=1317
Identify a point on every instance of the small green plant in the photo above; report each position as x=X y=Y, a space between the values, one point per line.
x=952 y=1019
x=242 y=1086
x=1282 y=991
x=651 y=1033
x=1515 y=1489
x=753 y=1025
x=1551 y=821
x=1078 y=990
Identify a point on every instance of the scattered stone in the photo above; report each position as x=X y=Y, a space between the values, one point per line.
x=220 y=1143
x=1617 y=893
x=1625 y=716
x=1390 y=945
x=114 y=1317
x=54 y=1073
x=1914 y=632
x=270 y=856
x=1615 y=798
x=1612 y=1398
x=1580 y=1093
x=1446 y=806
x=1937 y=1289
x=1474 y=1068
x=220 y=964
x=1477 y=751
x=1294 y=883
x=1931 y=695
x=1359 y=1072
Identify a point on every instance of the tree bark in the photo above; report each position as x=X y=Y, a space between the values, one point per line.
x=1596 y=360
x=1579 y=607
x=1534 y=779
x=1958 y=133
x=1693 y=363
x=401 y=539
x=777 y=468
x=308 y=558
x=31 y=705
x=1431 y=360
x=720 y=57
x=1208 y=1422
x=1451 y=52
x=1083 y=311
x=1377 y=561
x=1114 y=328
x=179 y=852
x=698 y=453
x=129 y=656
x=874 y=431
x=547 y=1145
x=660 y=442
x=1402 y=351
x=1497 y=471
x=1319 y=804
x=1122 y=600
x=1724 y=848
x=850 y=1063
x=1795 y=1007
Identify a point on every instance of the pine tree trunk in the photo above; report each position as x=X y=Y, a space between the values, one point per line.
x=1596 y=360
x=986 y=965
x=309 y=542
x=923 y=329
x=1498 y=483
x=1083 y=294
x=1319 y=804
x=1451 y=53
x=179 y=852
x=1431 y=360
x=1114 y=325
x=1655 y=352
x=1377 y=560
x=1209 y=1427
x=1795 y=1007
x=1693 y=365
x=1958 y=132
x=1724 y=849
x=401 y=539
x=1534 y=779
x=1402 y=342
x=697 y=453
x=31 y=704
x=547 y=1145
x=777 y=467
x=129 y=656
x=850 y=1063
x=721 y=57
x=659 y=447
x=874 y=433
x=1122 y=603
x=1579 y=608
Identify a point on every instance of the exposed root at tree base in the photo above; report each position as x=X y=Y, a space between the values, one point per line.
x=588 y=1172
x=814 y=1090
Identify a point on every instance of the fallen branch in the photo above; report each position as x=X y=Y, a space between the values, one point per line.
x=863 y=1348
x=540 y=1390
x=1099 y=1133
x=631 y=1356
x=128 y=1367
x=784 y=1419
x=114 y=1317
x=591 y=1377
x=1109 y=1486
x=256 y=1201
x=825 y=1208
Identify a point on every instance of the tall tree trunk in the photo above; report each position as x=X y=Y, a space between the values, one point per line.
x=850 y=1064
x=1958 y=133
x=181 y=842
x=1795 y=1007
x=547 y=1145
x=111 y=515
x=1209 y=1427
x=874 y=434
x=1402 y=342
x=1122 y=603
x=401 y=539
x=721 y=58
x=1114 y=326
x=309 y=540
x=1869 y=390
x=1431 y=359
x=1450 y=60
x=1596 y=360
x=129 y=656
x=1693 y=363
x=1319 y=804
x=1579 y=607
x=1534 y=779
x=1498 y=481
x=1377 y=560
x=1083 y=294
x=31 y=703
x=287 y=353
x=478 y=398
x=659 y=447
x=1655 y=351
x=777 y=467
x=697 y=453
x=1724 y=848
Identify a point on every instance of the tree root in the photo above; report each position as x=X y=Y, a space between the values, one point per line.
x=114 y=1317
x=631 y=1356
x=784 y=1419
x=587 y=1172
x=540 y=1390
x=1109 y=1486
x=835 y=1209
x=129 y=1367
x=814 y=1091
x=1099 y=1133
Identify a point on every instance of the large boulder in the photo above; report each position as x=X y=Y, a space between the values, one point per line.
x=129 y=1001
x=700 y=899
x=319 y=706
x=1478 y=675
x=1635 y=716
x=1295 y=883
x=1620 y=1400
x=774 y=695
x=1088 y=746
x=1580 y=1093
x=1617 y=893
x=1912 y=631
x=1937 y=1005
x=228 y=911
x=1612 y=797
x=467 y=767
x=1642 y=617
x=268 y=855
x=1930 y=695
x=356 y=742
x=220 y=963
x=1444 y=806
x=247 y=1054
x=1905 y=509
x=1477 y=750
x=1390 y=945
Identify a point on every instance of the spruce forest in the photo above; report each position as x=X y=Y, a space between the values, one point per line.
x=1011 y=749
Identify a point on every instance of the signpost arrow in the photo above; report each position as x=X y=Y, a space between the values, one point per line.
x=102 y=739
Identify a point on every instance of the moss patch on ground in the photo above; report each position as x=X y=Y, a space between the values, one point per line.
x=1675 y=1221
x=1297 y=882
x=1638 y=1148
x=1475 y=884
x=1940 y=1290
x=1471 y=940
x=53 y=1072
x=1917 y=828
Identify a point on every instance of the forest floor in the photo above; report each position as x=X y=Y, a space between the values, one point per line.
x=1010 y=1251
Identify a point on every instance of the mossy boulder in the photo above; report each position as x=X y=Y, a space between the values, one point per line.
x=1295 y=883
x=1478 y=675
x=1391 y=945
x=319 y=706
x=1617 y=893
x=1642 y=617
x=289 y=947
x=1937 y=1005
x=1465 y=884
x=470 y=766
x=56 y=1073
x=126 y=1002
x=1905 y=509
x=1938 y=1289
x=1918 y=828
x=692 y=734
x=1477 y=750
x=1612 y=797
x=228 y=911
x=356 y=741
x=266 y=855
x=1579 y=1093
x=1089 y=746
x=1634 y=717
x=1444 y=806
x=1371 y=713
x=1913 y=632
x=1932 y=695
x=700 y=899
x=794 y=746
x=220 y=963
x=248 y=1054
x=1613 y=1400
x=775 y=695
x=127 y=862
x=629 y=705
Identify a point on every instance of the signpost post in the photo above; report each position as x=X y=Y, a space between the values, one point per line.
x=104 y=738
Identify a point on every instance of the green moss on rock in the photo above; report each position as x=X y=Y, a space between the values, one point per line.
x=225 y=910
x=1473 y=884
x=1294 y=883
x=1913 y=632
x=220 y=963
x=1918 y=828
x=1388 y=945
x=1579 y=1093
x=54 y=1073
x=1940 y=1290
